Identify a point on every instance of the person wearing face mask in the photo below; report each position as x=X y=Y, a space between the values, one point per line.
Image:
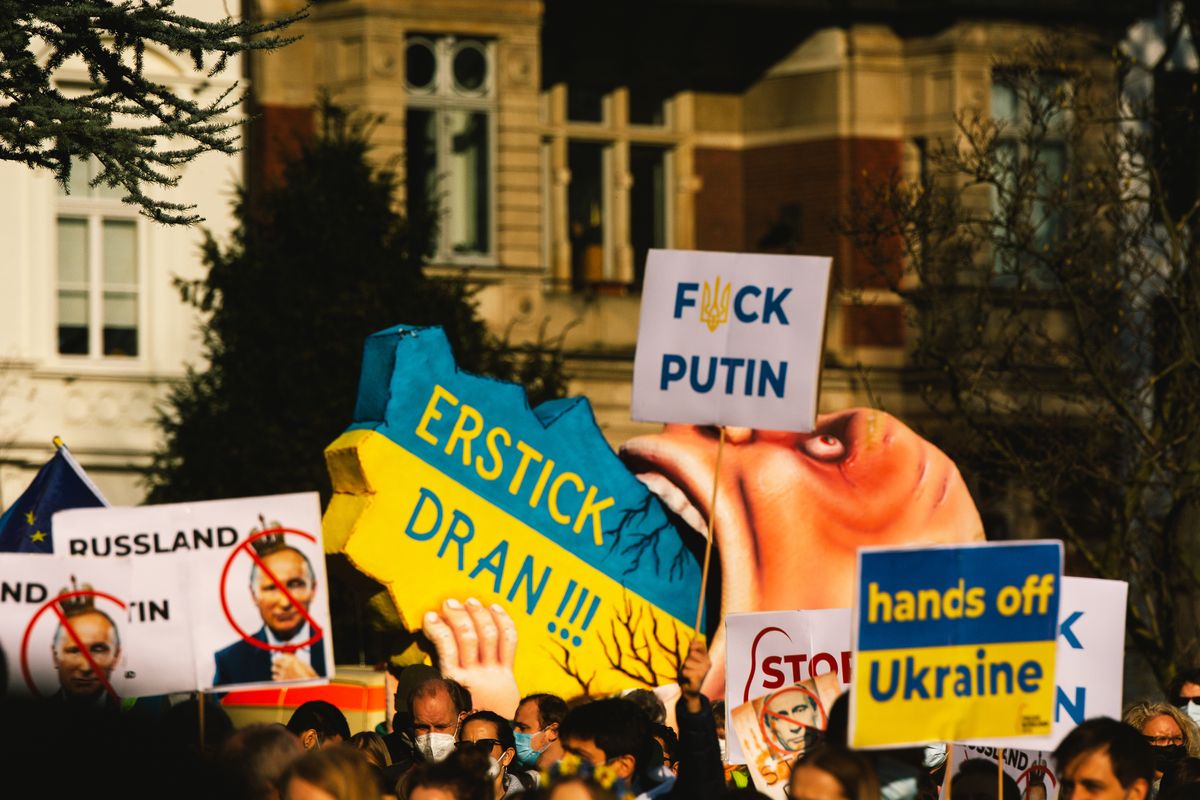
x=536 y=730
x=490 y=733
x=1172 y=735
x=1185 y=693
x=438 y=707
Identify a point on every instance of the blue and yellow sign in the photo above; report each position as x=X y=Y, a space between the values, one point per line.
x=954 y=642
x=448 y=485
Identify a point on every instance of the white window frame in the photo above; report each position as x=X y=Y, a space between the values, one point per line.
x=617 y=135
x=95 y=211
x=1005 y=274
x=443 y=98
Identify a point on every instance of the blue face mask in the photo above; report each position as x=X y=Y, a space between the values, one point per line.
x=526 y=755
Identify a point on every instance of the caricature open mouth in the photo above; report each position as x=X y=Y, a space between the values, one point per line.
x=793 y=508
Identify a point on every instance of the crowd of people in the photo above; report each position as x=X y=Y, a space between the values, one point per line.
x=439 y=746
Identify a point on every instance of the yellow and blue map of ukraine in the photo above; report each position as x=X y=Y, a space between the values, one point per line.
x=448 y=485
x=955 y=642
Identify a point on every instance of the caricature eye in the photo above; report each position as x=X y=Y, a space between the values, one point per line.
x=825 y=447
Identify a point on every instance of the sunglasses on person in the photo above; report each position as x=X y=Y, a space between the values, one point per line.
x=485 y=745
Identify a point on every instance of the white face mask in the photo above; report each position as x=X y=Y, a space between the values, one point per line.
x=935 y=755
x=493 y=768
x=435 y=746
x=1193 y=710
x=721 y=744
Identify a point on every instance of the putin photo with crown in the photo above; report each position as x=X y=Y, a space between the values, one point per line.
x=85 y=650
x=286 y=647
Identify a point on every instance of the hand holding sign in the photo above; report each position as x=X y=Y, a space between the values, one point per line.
x=692 y=673
x=476 y=646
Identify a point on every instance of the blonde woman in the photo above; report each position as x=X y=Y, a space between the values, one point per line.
x=1173 y=735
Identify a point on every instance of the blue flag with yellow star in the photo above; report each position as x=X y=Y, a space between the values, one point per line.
x=60 y=484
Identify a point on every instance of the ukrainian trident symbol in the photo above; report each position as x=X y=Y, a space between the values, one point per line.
x=714 y=305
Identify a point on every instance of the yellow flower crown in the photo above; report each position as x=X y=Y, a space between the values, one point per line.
x=572 y=767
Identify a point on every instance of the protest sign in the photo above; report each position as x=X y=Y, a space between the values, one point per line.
x=731 y=339
x=251 y=603
x=1031 y=771
x=776 y=729
x=448 y=486
x=771 y=650
x=954 y=642
x=81 y=632
x=1090 y=669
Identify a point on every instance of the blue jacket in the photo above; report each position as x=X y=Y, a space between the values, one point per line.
x=242 y=662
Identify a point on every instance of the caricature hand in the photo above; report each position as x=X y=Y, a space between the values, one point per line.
x=287 y=667
x=476 y=647
x=692 y=673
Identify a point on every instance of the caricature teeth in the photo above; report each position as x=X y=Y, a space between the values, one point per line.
x=674 y=498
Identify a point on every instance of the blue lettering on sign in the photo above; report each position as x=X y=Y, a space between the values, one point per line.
x=759 y=376
x=743 y=309
x=1064 y=630
x=1074 y=710
x=682 y=300
x=738 y=311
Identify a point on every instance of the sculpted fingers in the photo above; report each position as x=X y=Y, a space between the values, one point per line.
x=487 y=630
x=465 y=635
x=442 y=637
x=508 y=635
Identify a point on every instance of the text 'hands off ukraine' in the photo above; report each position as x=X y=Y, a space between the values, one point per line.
x=955 y=643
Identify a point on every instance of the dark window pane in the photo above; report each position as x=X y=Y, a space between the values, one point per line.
x=73 y=340
x=420 y=178
x=647 y=204
x=470 y=66
x=585 y=211
x=584 y=104
x=120 y=341
x=647 y=106
x=420 y=64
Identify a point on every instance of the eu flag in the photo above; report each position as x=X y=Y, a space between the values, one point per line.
x=60 y=484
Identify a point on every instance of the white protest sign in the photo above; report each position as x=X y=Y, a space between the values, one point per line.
x=256 y=592
x=83 y=633
x=771 y=650
x=1090 y=674
x=731 y=339
x=1031 y=770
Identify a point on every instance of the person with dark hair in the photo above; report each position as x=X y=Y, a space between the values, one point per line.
x=669 y=742
x=617 y=733
x=835 y=773
x=1106 y=760
x=1186 y=772
x=438 y=706
x=319 y=724
x=335 y=773
x=1184 y=693
x=462 y=775
x=253 y=760
x=976 y=779
x=491 y=734
x=649 y=702
x=536 y=729
x=286 y=647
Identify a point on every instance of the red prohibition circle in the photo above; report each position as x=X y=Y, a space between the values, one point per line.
x=25 y=671
x=248 y=638
x=769 y=737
